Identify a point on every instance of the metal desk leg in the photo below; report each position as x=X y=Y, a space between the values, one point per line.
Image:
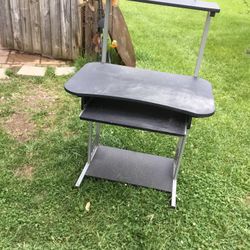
x=97 y=134
x=177 y=161
x=91 y=153
x=104 y=55
x=203 y=44
x=105 y=32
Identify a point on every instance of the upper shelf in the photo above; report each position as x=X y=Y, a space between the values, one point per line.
x=185 y=94
x=188 y=4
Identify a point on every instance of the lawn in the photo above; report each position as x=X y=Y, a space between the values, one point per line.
x=43 y=146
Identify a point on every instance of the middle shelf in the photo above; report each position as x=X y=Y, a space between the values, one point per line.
x=135 y=115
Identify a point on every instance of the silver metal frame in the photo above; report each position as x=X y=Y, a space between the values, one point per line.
x=103 y=60
x=203 y=44
x=105 y=31
x=79 y=181
x=104 y=54
x=92 y=146
x=177 y=161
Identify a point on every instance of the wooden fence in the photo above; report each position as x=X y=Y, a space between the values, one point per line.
x=48 y=27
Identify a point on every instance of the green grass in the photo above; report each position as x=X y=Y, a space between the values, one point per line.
x=213 y=212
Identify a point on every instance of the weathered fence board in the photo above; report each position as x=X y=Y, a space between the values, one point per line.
x=91 y=28
x=56 y=33
x=2 y=37
x=76 y=28
x=66 y=27
x=35 y=26
x=45 y=27
x=16 y=24
x=48 y=27
x=6 y=24
x=26 y=25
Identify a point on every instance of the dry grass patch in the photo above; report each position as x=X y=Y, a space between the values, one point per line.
x=38 y=99
x=19 y=126
x=25 y=172
x=27 y=104
x=2 y=101
x=247 y=200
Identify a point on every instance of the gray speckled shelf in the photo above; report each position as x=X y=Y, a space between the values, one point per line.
x=188 y=4
x=183 y=94
x=135 y=115
x=132 y=167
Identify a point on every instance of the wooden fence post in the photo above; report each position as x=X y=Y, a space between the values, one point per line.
x=91 y=26
x=35 y=30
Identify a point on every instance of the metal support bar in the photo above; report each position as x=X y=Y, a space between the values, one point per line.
x=85 y=169
x=105 y=32
x=90 y=141
x=178 y=156
x=97 y=134
x=104 y=53
x=177 y=161
x=90 y=156
x=93 y=146
x=202 y=45
x=80 y=178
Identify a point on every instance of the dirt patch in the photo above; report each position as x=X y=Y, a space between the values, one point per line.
x=34 y=109
x=247 y=200
x=2 y=100
x=25 y=172
x=19 y=126
x=40 y=99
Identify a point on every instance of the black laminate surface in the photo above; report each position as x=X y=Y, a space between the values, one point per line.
x=135 y=115
x=188 y=4
x=132 y=167
x=184 y=94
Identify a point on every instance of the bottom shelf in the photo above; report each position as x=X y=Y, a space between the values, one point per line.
x=132 y=167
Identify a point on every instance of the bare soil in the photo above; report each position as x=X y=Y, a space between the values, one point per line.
x=247 y=200
x=25 y=172
x=38 y=100
x=19 y=126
